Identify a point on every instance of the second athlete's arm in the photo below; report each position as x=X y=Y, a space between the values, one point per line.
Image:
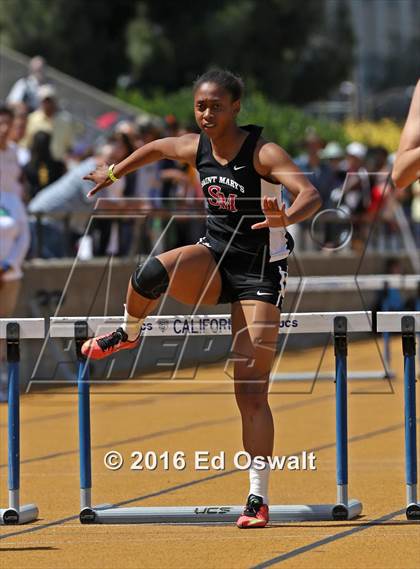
x=407 y=161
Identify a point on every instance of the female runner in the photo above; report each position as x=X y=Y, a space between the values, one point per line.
x=242 y=259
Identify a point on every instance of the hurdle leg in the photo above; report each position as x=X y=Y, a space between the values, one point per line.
x=387 y=352
x=340 y=352
x=14 y=514
x=14 y=434
x=87 y=511
x=84 y=436
x=409 y=351
x=343 y=509
x=83 y=392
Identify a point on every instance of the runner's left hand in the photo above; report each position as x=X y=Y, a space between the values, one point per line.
x=274 y=216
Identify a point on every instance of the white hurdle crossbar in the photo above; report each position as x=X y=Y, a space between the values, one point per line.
x=338 y=324
x=213 y=324
x=13 y=330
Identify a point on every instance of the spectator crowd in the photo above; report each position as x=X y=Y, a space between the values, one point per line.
x=356 y=181
x=45 y=211
x=43 y=159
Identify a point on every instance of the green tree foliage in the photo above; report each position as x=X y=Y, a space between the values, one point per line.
x=284 y=124
x=178 y=103
x=85 y=38
x=287 y=49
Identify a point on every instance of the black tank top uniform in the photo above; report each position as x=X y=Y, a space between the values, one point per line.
x=252 y=263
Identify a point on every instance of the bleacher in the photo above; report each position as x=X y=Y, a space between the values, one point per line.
x=84 y=102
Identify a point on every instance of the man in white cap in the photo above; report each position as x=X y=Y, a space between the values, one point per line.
x=357 y=190
x=49 y=118
x=356 y=154
x=334 y=154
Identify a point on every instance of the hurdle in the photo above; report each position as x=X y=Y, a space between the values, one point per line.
x=338 y=324
x=347 y=283
x=13 y=332
x=407 y=323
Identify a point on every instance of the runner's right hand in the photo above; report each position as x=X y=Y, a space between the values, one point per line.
x=100 y=178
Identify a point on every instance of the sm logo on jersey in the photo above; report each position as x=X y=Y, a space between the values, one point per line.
x=218 y=199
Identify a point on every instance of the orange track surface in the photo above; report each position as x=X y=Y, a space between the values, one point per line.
x=201 y=415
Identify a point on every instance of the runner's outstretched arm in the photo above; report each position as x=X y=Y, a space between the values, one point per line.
x=182 y=148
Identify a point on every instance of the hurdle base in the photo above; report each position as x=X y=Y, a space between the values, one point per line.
x=218 y=514
x=413 y=512
x=25 y=514
x=88 y=514
x=311 y=376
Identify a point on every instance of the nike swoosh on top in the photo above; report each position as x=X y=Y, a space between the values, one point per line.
x=238 y=167
x=259 y=293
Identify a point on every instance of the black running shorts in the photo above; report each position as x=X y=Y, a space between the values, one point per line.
x=248 y=277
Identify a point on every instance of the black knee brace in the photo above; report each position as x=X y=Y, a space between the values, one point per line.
x=150 y=279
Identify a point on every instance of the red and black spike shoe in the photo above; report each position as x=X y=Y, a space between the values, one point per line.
x=108 y=344
x=255 y=514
